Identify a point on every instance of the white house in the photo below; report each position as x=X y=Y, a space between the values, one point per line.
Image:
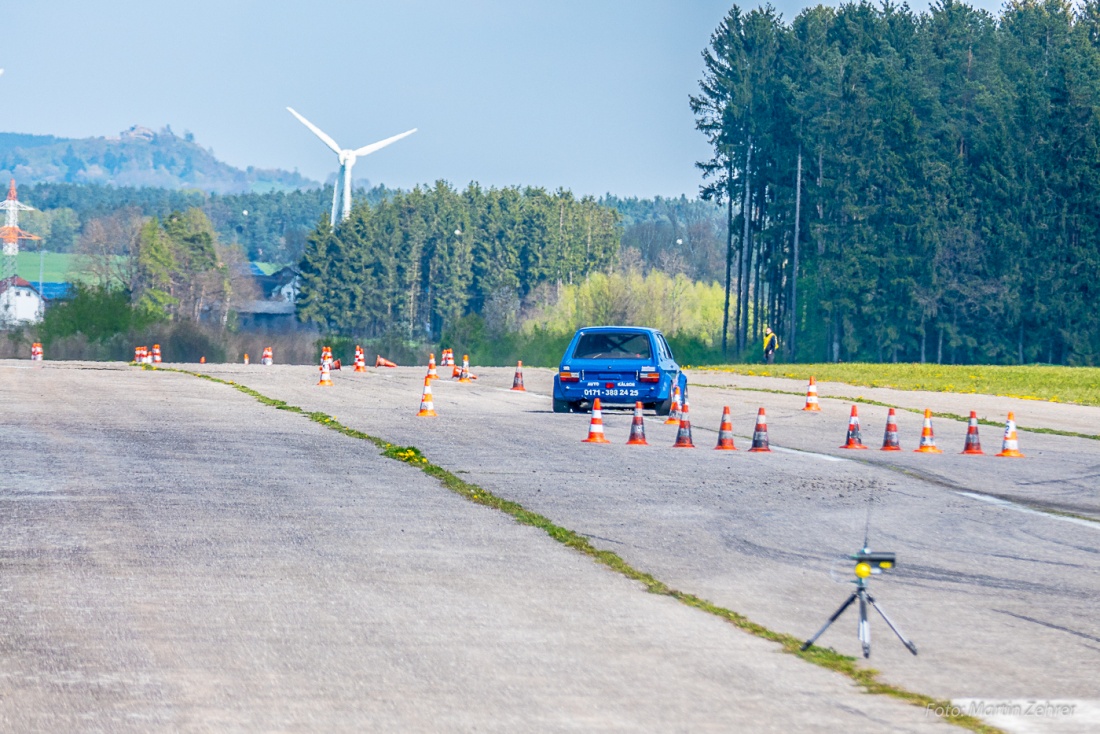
x=20 y=302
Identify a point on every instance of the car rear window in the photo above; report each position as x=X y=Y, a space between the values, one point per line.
x=615 y=345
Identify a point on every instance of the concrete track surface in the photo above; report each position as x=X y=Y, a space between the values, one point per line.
x=179 y=556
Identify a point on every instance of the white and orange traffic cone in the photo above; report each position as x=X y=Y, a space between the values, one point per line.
x=725 y=432
x=268 y=357
x=448 y=358
x=854 y=439
x=464 y=373
x=1011 y=445
x=760 y=433
x=380 y=361
x=427 y=409
x=683 y=434
x=360 y=360
x=674 y=411
x=517 y=381
x=811 y=396
x=637 y=428
x=890 y=437
x=433 y=374
x=973 y=445
x=326 y=376
x=246 y=357
x=156 y=354
x=927 y=439
x=326 y=356
x=138 y=359
x=36 y=352
x=595 y=426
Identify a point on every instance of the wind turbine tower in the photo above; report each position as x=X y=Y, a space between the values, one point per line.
x=341 y=192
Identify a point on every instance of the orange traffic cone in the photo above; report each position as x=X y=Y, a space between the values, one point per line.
x=1011 y=447
x=854 y=440
x=433 y=374
x=268 y=357
x=360 y=359
x=637 y=428
x=683 y=435
x=326 y=377
x=595 y=427
x=725 y=432
x=464 y=373
x=890 y=438
x=448 y=358
x=246 y=357
x=927 y=440
x=427 y=409
x=972 y=445
x=517 y=381
x=202 y=360
x=674 y=411
x=326 y=356
x=156 y=354
x=760 y=433
x=811 y=396
x=381 y=361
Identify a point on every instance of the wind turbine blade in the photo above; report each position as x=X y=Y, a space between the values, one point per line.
x=368 y=149
x=316 y=131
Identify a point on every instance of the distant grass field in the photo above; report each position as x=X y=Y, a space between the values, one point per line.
x=1079 y=385
x=57 y=266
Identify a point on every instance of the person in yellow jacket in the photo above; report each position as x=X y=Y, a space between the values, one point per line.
x=771 y=341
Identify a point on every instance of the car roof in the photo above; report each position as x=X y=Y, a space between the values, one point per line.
x=647 y=329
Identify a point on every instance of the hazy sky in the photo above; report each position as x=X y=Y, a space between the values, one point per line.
x=588 y=95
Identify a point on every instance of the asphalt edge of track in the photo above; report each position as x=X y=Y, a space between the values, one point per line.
x=866 y=678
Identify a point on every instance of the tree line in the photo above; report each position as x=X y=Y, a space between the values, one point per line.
x=270 y=226
x=169 y=268
x=905 y=186
x=417 y=262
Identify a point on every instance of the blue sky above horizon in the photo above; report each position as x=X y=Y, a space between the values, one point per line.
x=590 y=96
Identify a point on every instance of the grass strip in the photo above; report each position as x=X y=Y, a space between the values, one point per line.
x=950 y=416
x=1051 y=383
x=866 y=678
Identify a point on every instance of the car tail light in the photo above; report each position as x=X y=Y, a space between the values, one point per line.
x=649 y=377
x=609 y=385
x=569 y=377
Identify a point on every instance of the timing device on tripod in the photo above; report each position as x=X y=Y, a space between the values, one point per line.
x=867 y=564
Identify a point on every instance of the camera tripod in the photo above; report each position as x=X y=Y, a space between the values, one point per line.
x=864 y=596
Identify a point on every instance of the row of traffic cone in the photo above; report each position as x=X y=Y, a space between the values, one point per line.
x=973 y=445
x=683 y=433
x=927 y=444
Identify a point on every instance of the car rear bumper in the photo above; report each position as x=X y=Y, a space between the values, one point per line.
x=612 y=392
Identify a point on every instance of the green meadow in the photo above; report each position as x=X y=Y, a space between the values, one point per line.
x=1052 y=383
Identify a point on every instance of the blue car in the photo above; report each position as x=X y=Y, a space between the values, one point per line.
x=620 y=365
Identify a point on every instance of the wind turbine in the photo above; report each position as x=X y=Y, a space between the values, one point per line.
x=342 y=188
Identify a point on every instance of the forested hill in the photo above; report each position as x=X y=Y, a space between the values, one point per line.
x=138 y=157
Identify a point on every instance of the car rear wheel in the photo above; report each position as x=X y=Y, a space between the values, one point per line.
x=664 y=407
x=562 y=406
